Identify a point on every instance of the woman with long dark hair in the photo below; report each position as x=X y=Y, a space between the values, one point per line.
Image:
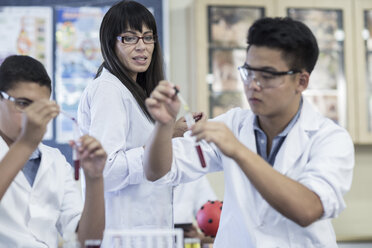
x=112 y=109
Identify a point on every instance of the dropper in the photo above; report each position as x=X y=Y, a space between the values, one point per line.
x=76 y=135
x=190 y=122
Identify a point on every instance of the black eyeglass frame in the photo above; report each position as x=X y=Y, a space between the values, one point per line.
x=121 y=39
x=6 y=96
x=274 y=73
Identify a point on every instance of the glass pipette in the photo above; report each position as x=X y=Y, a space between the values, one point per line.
x=190 y=122
x=76 y=136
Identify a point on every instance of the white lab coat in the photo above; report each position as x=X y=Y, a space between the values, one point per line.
x=189 y=197
x=317 y=153
x=33 y=217
x=109 y=112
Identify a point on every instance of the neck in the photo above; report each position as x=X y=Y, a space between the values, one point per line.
x=273 y=125
x=134 y=76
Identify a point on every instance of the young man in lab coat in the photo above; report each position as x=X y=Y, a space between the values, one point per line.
x=286 y=167
x=38 y=196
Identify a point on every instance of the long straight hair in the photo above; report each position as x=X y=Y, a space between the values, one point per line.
x=120 y=17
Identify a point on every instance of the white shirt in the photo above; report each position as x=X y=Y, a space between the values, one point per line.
x=33 y=217
x=189 y=197
x=317 y=153
x=109 y=112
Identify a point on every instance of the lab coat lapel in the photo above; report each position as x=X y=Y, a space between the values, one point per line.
x=20 y=179
x=44 y=167
x=246 y=133
x=297 y=139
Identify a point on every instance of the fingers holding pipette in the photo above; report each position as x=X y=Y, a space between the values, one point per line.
x=35 y=119
x=164 y=92
x=162 y=103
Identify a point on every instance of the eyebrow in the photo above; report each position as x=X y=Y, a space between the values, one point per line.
x=135 y=33
x=263 y=68
x=23 y=99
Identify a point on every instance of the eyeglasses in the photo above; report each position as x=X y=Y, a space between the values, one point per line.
x=19 y=103
x=133 y=39
x=264 y=78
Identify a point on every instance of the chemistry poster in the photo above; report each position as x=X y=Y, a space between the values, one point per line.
x=78 y=57
x=28 y=31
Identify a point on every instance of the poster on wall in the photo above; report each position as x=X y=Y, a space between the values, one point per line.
x=28 y=31
x=78 y=57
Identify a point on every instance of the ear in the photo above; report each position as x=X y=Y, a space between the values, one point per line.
x=303 y=82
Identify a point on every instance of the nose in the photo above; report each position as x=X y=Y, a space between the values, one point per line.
x=140 y=44
x=256 y=85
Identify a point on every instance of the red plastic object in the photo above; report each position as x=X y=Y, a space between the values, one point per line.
x=208 y=217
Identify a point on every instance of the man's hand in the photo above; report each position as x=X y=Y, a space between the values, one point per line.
x=163 y=104
x=35 y=119
x=92 y=156
x=219 y=134
x=181 y=126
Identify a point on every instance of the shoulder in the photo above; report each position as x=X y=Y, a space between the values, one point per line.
x=54 y=155
x=322 y=128
x=106 y=88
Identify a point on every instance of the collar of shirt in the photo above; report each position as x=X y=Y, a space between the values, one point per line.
x=261 y=138
x=35 y=154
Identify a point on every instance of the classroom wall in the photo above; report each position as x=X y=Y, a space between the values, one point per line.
x=355 y=223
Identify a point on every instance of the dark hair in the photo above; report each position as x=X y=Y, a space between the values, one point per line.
x=120 y=17
x=295 y=39
x=17 y=68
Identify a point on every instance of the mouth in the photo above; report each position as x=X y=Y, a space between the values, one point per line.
x=140 y=58
x=254 y=99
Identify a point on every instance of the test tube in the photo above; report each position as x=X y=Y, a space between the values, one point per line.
x=76 y=136
x=75 y=156
x=190 y=122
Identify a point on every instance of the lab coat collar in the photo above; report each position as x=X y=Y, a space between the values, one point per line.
x=248 y=133
x=44 y=164
x=296 y=140
x=20 y=179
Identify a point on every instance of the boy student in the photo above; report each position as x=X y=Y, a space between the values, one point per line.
x=38 y=196
x=286 y=167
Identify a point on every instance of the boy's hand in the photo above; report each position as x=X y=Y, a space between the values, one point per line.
x=92 y=156
x=35 y=119
x=219 y=134
x=163 y=105
x=181 y=126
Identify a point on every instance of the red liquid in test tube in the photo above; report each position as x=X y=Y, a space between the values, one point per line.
x=76 y=163
x=76 y=135
x=201 y=156
x=190 y=121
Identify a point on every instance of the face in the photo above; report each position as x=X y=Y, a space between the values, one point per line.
x=135 y=57
x=282 y=96
x=10 y=116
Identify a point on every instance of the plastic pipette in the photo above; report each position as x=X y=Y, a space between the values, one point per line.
x=76 y=135
x=190 y=122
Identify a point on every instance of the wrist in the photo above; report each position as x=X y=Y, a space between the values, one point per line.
x=24 y=146
x=240 y=153
x=93 y=181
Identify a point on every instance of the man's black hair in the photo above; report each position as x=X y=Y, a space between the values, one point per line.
x=21 y=68
x=294 y=38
